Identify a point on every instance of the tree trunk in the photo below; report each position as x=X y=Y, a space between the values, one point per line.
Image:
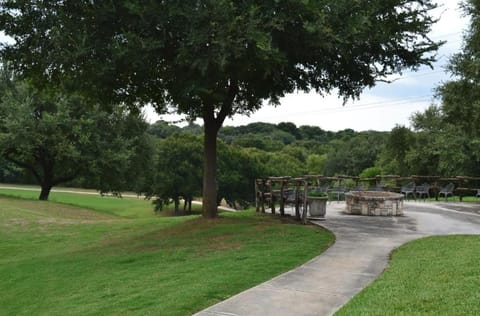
x=45 y=192
x=211 y=125
x=176 y=202
x=209 y=208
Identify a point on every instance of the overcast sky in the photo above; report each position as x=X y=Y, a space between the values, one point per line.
x=380 y=108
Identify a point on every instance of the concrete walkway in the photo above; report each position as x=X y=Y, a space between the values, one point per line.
x=359 y=255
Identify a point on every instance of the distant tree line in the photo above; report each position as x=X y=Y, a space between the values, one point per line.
x=164 y=161
x=119 y=151
x=253 y=151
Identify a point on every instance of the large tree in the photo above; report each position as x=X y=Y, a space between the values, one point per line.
x=448 y=139
x=392 y=158
x=215 y=58
x=58 y=138
x=354 y=155
x=460 y=97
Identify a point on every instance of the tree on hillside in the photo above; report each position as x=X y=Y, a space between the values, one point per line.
x=314 y=133
x=316 y=164
x=177 y=174
x=392 y=159
x=163 y=129
x=460 y=97
x=351 y=157
x=423 y=157
x=58 y=138
x=212 y=59
x=449 y=134
x=290 y=128
x=237 y=170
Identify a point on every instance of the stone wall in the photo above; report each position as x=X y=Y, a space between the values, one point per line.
x=374 y=203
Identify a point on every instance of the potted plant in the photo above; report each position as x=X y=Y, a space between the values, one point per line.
x=317 y=203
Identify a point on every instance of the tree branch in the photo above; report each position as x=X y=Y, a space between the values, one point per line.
x=226 y=108
x=66 y=178
x=25 y=166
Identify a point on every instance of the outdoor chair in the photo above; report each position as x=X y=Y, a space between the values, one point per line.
x=290 y=197
x=339 y=191
x=407 y=189
x=447 y=190
x=359 y=187
x=379 y=187
x=324 y=187
x=423 y=190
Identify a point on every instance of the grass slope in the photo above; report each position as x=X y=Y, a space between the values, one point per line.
x=124 y=207
x=431 y=276
x=58 y=259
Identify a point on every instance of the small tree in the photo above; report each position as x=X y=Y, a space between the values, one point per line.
x=392 y=158
x=215 y=58
x=177 y=172
x=237 y=170
x=316 y=163
x=58 y=138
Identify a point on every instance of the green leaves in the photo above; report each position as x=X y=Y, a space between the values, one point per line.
x=451 y=130
x=214 y=58
x=59 y=137
x=185 y=53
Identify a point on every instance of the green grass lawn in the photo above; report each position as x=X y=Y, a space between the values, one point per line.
x=431 y=276
x=125 y=207
x=109 y=256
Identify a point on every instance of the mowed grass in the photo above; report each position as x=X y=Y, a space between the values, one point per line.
x=60 y=259
x=431 y=276
x=125 y=207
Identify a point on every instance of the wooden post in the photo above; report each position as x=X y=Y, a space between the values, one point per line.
x=378 y=181
x=257 y=206
x=263 y=196
x=297 y=200
x=272 y=197
x=461 y=183
x=282 y=198
x=305 y=202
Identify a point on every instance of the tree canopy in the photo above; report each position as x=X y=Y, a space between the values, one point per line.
x=215 y=58
x=176 y=174
x=450 y=132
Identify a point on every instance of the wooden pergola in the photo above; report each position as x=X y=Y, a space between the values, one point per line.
x=280 y=191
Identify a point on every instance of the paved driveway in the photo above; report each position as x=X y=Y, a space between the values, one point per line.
x=359 y=255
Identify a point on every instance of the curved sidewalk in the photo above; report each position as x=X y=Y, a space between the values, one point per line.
x=359 y=255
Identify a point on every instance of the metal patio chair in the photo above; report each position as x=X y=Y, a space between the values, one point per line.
x=407 y=189
x=359 y=187
x=423 y=191
x=338 y=191
x=447 y=190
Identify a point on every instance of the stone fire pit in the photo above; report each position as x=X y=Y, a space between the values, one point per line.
x=374 y=203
